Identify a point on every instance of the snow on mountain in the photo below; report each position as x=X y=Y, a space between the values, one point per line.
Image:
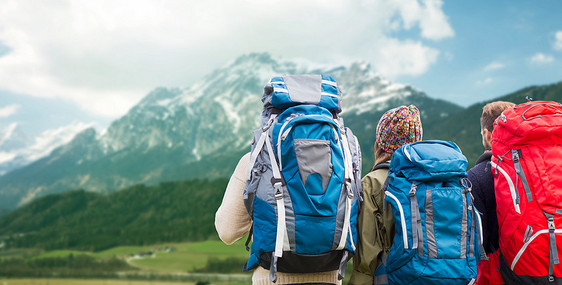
x=17 y=148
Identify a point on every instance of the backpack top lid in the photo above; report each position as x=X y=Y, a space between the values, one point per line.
x=432 y=160
x=534 y=122
x=283 y=92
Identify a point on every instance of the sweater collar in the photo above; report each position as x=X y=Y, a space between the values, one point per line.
x=486 y=156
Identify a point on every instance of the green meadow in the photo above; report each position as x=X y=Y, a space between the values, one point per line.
x=182 y=257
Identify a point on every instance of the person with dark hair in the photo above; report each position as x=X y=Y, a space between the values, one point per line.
x=375 y=223
x=482 y=181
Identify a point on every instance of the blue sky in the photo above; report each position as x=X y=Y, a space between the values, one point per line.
x=498 y=47
x=68 y=61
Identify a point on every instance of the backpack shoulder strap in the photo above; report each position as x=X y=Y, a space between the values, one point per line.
x=384 y=165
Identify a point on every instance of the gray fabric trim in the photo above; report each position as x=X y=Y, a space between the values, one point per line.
x=417 y=234
x=474 y=231
x=340 y=217
x=429 y=225
x=521 y=173
x=314 y=157
x=304 y=88
x=528 y=233
x=464 y=227
x=559 y=211
x=290 y=219
x=343 y=264
x=477 y=220
x=552 y=244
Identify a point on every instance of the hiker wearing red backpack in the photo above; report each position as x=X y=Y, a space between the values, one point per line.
x=526 y=164
x=375 y=224
x=484 y=197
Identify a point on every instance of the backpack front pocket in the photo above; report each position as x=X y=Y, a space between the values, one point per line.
x=446 y=223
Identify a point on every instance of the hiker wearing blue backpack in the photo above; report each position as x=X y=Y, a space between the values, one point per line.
x=375 y=224
x=298 y=191
x=485 y=198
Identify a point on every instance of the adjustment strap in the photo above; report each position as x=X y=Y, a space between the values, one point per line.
x=479 y=231
x=552 y=246
x=348 y=180
x=273 y=269
x=520 y=172
x=417 y=234
x=277 y=182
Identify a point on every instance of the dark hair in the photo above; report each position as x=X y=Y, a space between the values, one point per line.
x=491 y=111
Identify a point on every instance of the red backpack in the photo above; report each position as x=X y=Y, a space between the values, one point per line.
x=527 y=168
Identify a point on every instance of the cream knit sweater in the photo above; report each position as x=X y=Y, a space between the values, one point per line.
x=233 y=222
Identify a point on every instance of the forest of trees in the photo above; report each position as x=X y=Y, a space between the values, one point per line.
x=138 y=215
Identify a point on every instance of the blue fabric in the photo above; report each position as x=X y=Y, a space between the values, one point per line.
x=430 y=160
x=438 y=166
x=264 y=231
x=315 y=210
x=447 y=217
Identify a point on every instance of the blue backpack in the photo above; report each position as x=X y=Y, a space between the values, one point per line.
x=437 y=229
x=303 y=179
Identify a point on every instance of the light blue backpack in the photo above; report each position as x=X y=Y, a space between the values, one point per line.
x=437 y=228
x=303 y=185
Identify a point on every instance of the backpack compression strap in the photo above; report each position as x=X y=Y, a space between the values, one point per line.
x=476 y=223
x=348 y=180
x=277 y=182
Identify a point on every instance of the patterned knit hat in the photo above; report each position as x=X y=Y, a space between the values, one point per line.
x=399 y=126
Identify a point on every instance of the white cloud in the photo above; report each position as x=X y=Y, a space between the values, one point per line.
x=541 y=58
x=106 y=55
x=404 y=58
x=494 y=65
x=9 y=110
x=558 y=40
x=485 y=81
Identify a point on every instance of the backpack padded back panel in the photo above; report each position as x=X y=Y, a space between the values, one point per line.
x=436 y=227
x=526 y=163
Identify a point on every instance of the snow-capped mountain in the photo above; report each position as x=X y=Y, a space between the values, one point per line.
x=17 y=148
x=199 y=131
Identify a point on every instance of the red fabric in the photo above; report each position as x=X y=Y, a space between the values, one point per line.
x=535 y=129
x=489 y=270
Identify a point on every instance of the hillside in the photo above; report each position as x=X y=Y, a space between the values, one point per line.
x=138 y=215
x=464 y=127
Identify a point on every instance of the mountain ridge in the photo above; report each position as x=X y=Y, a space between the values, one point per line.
x=172 y=132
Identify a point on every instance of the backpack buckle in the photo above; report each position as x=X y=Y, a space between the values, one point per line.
x=347 y=182
x=278 y=194
x=413 y=190
x=277 y=184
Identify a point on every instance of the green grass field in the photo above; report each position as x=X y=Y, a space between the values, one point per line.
x=186 y=257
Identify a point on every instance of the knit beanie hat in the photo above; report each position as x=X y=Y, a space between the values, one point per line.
x=399 y=126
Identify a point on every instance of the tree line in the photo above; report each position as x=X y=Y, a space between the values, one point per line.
x=138 y=215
